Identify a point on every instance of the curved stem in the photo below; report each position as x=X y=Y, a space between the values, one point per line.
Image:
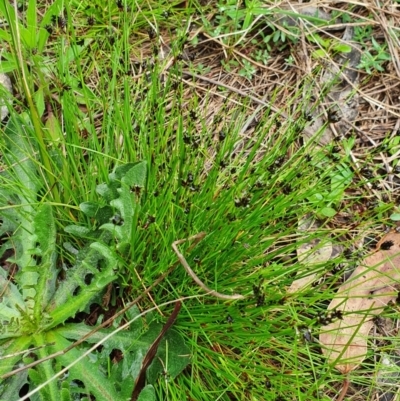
x=192 y=274
x=343 y=393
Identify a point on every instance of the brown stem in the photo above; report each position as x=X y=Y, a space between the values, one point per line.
x=151 y=353
x=192 y=274
x=343 y=393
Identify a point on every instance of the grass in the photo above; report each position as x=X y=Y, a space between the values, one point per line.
x=93 y=109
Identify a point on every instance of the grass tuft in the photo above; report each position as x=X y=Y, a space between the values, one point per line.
x=97 y=92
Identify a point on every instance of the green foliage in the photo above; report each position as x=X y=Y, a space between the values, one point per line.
x=374 y=59
x=395 y=216
x=330 y=46
x=248 y=70
x=262 y=56
x=246 y=190
x=232 y=22
x=39 y=301
x=328 y=198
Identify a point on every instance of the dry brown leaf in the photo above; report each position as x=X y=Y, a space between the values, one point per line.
x=365 y=294
x=310 y=254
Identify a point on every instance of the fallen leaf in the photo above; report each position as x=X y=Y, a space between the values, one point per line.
x=364 y=295
x=309 y=254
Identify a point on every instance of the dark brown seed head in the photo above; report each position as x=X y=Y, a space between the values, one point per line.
x=385 y=246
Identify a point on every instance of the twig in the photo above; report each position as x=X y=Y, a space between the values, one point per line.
x=192 y=274
x=235 y=90
x=262 y=102
x=345 y=388
x=26 y=351
x=151 y=353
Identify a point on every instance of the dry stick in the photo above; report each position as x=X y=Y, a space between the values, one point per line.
x=345 y=388
x=192 y=274
x=211 y=92
x=232 y=89
x=26 y=351
x=151 y=353
x=244 y=94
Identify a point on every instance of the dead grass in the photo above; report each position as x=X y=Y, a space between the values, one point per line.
x=378 y=110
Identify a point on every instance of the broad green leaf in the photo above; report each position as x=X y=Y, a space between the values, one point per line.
x=341 y=48
x=89 y=208
x=74 y=293
x=121 y=171
x=320 y=53
x=7 y=66
x=38 y=97
x=4 y=35
x=11 y=297
x=395 y=216
x=12 y=386
x=328 y=211
x=315 y=38
x=173 y=353
x=147 y=394
x=31 y=22
x=78 y=231
x=84 y=370
x=45 y=370
x=314 y=198
x=45 y=231
x=102 y=214
x=126 y=206
x=122 y=340
x=78 y=302
x=53 y=127
x=65 y=392
x=136 y=176
x=108 y=191
x=13 y=347
x=20 y=155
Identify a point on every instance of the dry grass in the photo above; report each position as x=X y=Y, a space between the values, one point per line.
x=277 y=85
